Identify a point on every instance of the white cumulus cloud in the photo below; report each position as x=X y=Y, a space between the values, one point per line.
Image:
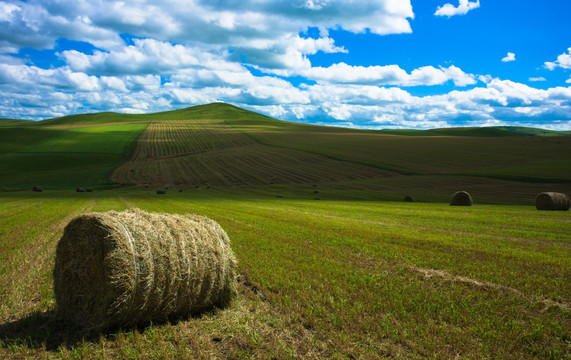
x=343 y=73
x=145 y=56
x=462 y=9
x=42 y=93
x=241 y=25
x=509 y=57
x=563 y=61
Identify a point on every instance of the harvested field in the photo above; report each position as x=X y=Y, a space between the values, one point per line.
x=318 y=279
x=170 y=138
x=247 y=164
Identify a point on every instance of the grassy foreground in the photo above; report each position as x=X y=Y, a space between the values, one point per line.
x=318 y=279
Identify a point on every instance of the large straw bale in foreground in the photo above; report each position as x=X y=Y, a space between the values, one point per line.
x=124 y=268
x=461 y=198
x=552 y=201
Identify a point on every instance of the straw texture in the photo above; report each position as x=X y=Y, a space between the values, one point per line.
x=552 y=201
x=125 y=268
x=461 y=198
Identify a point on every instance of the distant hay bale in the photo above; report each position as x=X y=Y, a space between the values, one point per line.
x=118 y=269
x=37 y=189
x=161 y=191
x=552 y=201
x=316 y=191
x=409 y=198
x=461 y=198
x=79 y=189
x=89 y=189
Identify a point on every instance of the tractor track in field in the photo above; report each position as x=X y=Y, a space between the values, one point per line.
x=446 y=276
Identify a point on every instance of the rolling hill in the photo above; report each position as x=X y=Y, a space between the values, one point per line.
x=223 y=145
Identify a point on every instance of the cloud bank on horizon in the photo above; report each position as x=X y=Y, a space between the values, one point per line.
x=370 y=64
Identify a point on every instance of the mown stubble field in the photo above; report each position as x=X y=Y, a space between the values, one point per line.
x=318 y=279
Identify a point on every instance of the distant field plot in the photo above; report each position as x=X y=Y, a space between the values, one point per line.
x=63 y=157
x=421 y=154
x=318 y=279
x=168 y=138
x=251 y=164
x=56 y=170
x=544 y=169
x=209 y=152
x=13 y=139
x=111 y=139
x=14 y=122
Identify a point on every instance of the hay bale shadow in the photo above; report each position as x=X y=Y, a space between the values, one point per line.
x=41 y=328
x=47 y=330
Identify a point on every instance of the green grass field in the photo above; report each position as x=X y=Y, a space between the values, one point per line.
x=318 y=279
x=332 y=263
x=425 y=153
x=63 y=157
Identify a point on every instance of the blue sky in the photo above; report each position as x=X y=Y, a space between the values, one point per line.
x=369 y=64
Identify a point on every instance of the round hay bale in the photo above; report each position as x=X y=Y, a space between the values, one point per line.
x=316 y=191
x=37 y=189
x=118 y=269
x=552 y=201
x=161 y=192
x=409 y=198
x=88 y=189
x=80 y=189
x=461 y=198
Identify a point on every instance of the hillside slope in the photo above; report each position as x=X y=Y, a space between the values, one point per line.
x=220 y=144
x=506 y=155
x=206 y=152
x=63 y=157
